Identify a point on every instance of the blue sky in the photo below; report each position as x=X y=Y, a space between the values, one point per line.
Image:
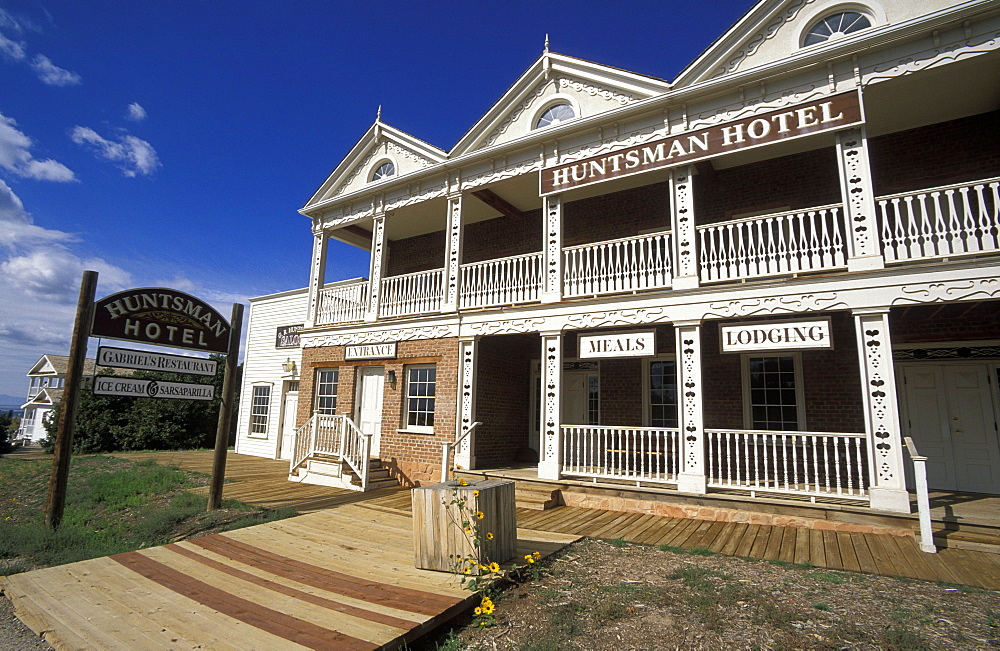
x=171 y=143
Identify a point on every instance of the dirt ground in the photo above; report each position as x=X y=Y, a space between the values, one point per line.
x=599 y=595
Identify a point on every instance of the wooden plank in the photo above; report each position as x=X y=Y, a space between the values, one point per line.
x=848 y=555
x=788 y=540
x=717 y=536
x=761 y=541
x=735 y=534
x=884 y=554
x=656 y=531
x=801 y=554
x=681 y=532
x=748 y=540
x=817 y=550
x=832 y=547
x=866 y=559
x=696 y=540
x=773 y=549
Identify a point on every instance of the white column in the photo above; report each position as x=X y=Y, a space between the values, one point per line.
x=468 y=352
x=552 y=266
x=550 y=463
x=317 y=274
x=859 y=200
x=685 y=250
x=453 y=255
x=377 y=268
x=688 y=340
x=878 y=390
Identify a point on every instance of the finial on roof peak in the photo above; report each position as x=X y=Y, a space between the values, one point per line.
x=546 y=43
x=378 y=116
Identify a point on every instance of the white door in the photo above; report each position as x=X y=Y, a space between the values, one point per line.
x=950 y=415
x=288 y=425
x=576 y=397
x=370 y=388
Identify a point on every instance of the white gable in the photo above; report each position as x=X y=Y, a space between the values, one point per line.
x=587 y=87
x=773 y=30
x=380 y=144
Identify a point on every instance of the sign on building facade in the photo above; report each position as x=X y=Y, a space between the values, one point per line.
x=778 y=336
x=146 y=361
x=124 y=386
x=288 y=336
x=624 y=344
x=371 y=351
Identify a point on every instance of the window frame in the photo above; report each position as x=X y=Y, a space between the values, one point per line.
x=550 y=102
x=317 y=396
x=408 y=381
x=383 y=161
x=265 y=424
x=829 y=12
x=647 y=405
x=800 y=407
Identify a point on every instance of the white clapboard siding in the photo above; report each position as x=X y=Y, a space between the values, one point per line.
x=262 y=365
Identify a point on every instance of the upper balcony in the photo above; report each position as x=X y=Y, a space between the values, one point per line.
x=934 y=223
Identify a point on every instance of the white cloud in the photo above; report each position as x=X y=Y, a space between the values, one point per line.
x=54 y=274
x=135 y=112
x=133 y=155
x=12 y=49
x=52 y=74
x=17 y=231
x=15 y=156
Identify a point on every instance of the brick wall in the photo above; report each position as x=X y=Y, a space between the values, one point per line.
x=949 y=152
x=933 y=323
x=412 y=457
x=414 y=254
x=801 y=180
x=503 y=398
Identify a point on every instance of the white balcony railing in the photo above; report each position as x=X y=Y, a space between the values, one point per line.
x=336 y=436
x=504 y=281
x=343 y=303
x=414 y=293
x=773 y=245
x=951 y=220
x=640 y=454
x=624 y=265
x=807 y=463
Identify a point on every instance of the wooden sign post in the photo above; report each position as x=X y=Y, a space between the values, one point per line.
x=56 y=502
x=150 y=315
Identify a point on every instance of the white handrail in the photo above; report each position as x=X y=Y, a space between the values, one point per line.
x=355 y=448
x=923 y=501
x=447 y=447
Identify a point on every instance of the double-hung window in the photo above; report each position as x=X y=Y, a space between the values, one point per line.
x=773 y=387
x=260 y=409
x=326 y=390
x=661 y=393
x=421 y=387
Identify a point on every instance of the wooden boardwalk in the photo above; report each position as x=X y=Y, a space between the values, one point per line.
x=342 y=576
x=338 y=578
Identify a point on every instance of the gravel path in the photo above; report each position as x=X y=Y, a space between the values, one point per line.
x=15 y=636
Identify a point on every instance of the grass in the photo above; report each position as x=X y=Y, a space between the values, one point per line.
x=113 y=505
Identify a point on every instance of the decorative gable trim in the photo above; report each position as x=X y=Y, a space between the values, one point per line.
x=559 y=73
x=382 y=139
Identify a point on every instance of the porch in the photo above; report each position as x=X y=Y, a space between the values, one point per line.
x=936 y=223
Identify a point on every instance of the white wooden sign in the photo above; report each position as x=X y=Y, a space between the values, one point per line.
x=622 y=344
x=781 y=335
x=371 y=351
x=123 y=386
x=146 y=361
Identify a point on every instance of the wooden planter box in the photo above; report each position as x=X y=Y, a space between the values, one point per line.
x=439 y=540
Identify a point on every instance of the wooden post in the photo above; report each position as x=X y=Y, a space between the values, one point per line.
x=59 y=477
x=225 y=409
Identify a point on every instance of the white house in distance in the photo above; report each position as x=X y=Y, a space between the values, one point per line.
x=45 y=388
x=749 y=282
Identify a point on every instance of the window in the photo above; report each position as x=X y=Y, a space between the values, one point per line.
x=662 y=393
x=384 y=171
x=836 y=26
x=593 y=399
x=260 y=407
x=555 y=114
x=774 y=387
x=326 y=391
x=421 y=384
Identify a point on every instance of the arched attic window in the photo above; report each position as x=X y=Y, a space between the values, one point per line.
x=836 y=25
x=555 y=114
x=384 y=171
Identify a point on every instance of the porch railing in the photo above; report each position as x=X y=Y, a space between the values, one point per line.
x=960 y=219
x=504 y=281
x=640 y=454
x=623 y=265
x=337 y=436
x=773 y=245
x=808 y=463
x=413 y=293
x=343 y=303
